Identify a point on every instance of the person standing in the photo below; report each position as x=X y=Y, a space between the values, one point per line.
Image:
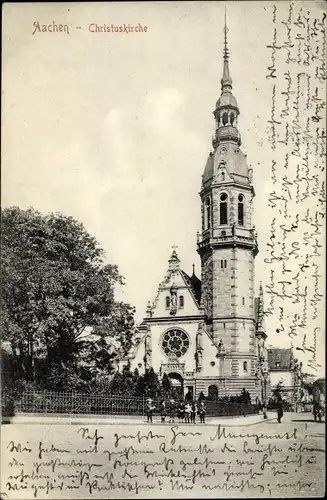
x=202 y=412
x=280 y=411
x=321 y=406
x=163 y=411
x=171 y=410
x=149 y=410
x=193 y=412
x=187 y=410
x=322 y=402
x=180 y=411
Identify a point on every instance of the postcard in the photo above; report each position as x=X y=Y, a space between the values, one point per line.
x=163 y=249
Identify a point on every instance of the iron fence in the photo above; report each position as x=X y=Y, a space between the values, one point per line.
x=78 y=403
x=225 y=408
x=47 y=402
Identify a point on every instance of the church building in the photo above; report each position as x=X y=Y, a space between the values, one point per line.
x=208 y=335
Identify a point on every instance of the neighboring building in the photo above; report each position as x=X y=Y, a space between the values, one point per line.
x=287 y=371
x=209 y=335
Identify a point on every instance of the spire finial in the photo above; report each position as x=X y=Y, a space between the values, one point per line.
x=226 y=82
x=225 y=33
x=227 y=111
x=174 y=260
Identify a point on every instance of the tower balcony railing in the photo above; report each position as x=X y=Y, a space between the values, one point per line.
x=226 y=133
x=228 y=238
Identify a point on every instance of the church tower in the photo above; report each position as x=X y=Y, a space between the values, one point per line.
x=227 y=244
x=209 y=336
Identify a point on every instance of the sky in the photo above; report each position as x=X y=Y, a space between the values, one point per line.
x=115 y=129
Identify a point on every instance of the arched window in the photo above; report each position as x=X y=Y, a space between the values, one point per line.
x=167 y=302
x=181 y=301
x=222 y=176
x=240 y=210
x=222 y=264
x=223 y=208
x=243 y=301
x=207 y=217
x=232 y=119
x=225 y=264
x=245 y=366
x=224 y=325
x=225 y=118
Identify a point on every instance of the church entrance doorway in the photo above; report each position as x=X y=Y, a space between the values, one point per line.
x=213 y=393
x=177 y=385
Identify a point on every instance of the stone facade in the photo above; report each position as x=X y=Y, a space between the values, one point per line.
x=210 y=334
x=286 y=370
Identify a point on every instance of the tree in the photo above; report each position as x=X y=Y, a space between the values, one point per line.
x=151 y=384
x=56 y=290
x=119 y=324
x=166 y=386
x=118 y=386
x=245 y=397
x=308 y=386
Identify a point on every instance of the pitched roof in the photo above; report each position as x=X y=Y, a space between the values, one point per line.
x=280 y=359
x=236 y=163
x=194 y=285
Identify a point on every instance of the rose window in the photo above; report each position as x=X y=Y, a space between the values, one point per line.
x=175 y=343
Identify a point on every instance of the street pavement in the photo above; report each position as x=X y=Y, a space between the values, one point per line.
x=227 y=457
x=232 y=421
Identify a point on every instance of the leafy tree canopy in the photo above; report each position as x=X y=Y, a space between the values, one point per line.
x=56 y=289
x=166 y=386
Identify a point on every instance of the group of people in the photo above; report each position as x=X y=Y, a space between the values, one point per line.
x=182 y=411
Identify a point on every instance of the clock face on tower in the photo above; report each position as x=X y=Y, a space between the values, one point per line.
x=175 y=342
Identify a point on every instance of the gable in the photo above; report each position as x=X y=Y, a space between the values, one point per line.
x=280 y=359
x=186 y=293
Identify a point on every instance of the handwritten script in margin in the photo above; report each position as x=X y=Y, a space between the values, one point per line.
x=296 y=156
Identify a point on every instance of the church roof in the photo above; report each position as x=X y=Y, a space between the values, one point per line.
x=226 y=99
x=234 y=161
x=194 y=285
x=208 y=170
x=227 y=139
x=280 y=359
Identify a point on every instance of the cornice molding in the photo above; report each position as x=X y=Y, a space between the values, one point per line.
x=175 y=319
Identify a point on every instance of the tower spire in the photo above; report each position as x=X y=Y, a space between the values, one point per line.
x=227 y=111
x=225 y=44
x=226 y=81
